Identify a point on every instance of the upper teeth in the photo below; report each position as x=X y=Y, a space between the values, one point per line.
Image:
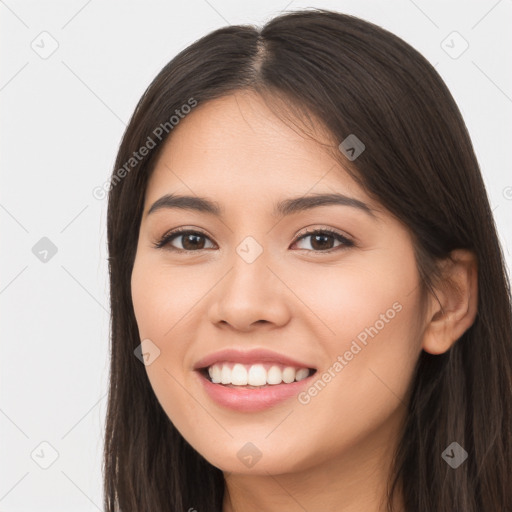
x=255 y=375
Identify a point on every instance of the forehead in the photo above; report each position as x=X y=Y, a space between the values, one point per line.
x=237 y=147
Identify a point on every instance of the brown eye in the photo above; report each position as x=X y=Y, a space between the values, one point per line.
x=323 y=240
x=190 y=240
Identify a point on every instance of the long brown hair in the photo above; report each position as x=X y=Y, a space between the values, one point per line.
x=419 y=163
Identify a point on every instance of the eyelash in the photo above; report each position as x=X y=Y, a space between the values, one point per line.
x=168 y=237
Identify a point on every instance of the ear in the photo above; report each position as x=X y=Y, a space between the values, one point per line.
x=456 y=306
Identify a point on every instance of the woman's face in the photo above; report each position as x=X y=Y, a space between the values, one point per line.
x=260 y=278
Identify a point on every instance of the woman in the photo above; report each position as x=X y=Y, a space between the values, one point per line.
x=310 y=309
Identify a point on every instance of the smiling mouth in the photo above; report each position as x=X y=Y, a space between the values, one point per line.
x=254 y=376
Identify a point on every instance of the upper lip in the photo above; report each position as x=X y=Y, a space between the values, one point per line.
x=249 y=357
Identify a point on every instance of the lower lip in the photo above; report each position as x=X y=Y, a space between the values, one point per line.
x=252 y=400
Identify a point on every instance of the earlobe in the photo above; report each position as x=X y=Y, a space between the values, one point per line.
x=452 y=312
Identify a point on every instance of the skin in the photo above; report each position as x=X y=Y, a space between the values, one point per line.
x=333 y=453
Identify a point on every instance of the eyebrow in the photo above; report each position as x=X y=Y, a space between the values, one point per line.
x=282 y=208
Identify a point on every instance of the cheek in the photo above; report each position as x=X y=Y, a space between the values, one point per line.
x=167 y=301
x=359 y=293
x=162 y=300
x=163 y=297
x=371 y=358
x=370 y=330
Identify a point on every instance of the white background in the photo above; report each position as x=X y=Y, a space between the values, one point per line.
x=62 y=120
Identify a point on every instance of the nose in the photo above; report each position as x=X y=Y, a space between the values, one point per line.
x=250 y=295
